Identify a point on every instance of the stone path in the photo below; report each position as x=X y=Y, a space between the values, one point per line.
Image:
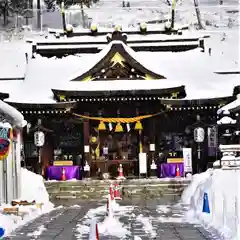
x=61 y=224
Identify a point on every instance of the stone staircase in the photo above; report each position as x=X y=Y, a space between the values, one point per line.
x=129 y=189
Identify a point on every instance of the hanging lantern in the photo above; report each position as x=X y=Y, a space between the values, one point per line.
x=138 y=126
x=101 y=126
x=128 y=127
x=199 y=134
x=39 y=138
x=119 y=128
x=110 y=126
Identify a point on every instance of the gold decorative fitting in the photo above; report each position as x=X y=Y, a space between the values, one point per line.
x=143 y=27
x=175 y=94
x=118 y=28
x=62 y=98
x=101 y=126
x=119 y=127
x=93 y=139
x=169 y=107
x=138 y=126
x=94 y=28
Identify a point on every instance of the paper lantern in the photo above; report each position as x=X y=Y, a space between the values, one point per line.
x=39 y=138
x=199 y=134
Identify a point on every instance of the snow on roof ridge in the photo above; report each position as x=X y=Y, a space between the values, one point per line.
x=97 y=58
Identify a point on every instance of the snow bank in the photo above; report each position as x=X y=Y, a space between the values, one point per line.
x=223 y=194
x=35 y=190
x=32 y=189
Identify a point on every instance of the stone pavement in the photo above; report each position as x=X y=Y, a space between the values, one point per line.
x=61 y=224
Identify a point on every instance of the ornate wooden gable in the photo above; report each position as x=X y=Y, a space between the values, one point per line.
x=118 y=64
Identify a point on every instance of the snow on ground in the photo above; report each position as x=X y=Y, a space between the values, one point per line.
x=147 y=225
x=222 y=187
x=109 y=225
x=32 y=188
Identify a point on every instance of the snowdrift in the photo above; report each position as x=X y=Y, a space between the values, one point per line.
x=32 y=188
x=222 y=187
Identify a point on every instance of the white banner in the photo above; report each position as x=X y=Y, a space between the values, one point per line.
x=142 y=163
x=187 y=159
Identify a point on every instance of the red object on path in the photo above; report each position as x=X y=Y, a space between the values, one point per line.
x=97 y=234
x=120 y=172
x=116 y=192
x=63 y=178
x=111 y=192
x=177 y=171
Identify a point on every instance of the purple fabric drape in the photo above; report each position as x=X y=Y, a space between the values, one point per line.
x=55 y=172
x=169 y=169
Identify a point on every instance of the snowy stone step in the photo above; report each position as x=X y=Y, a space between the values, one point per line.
x=128 y=189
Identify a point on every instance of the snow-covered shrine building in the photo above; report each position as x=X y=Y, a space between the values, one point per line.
x=116 y=103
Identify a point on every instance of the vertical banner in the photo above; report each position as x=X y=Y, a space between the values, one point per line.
x=187 y=160
x=212 y=140
x=142 y=163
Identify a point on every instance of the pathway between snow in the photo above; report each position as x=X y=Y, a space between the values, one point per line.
x=133 y=220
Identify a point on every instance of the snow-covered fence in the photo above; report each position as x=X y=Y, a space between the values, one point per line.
x=11 y=121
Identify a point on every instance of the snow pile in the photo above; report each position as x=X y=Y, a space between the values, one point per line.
x=147 y=225
x=32 y=189
x=109 y=225
x=222 y=189
x=112 y=226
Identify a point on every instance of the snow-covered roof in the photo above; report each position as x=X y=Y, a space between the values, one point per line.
x=194 y=69
x=12 y=61
x=132 y=37
x=226 y=120
x=232 y=106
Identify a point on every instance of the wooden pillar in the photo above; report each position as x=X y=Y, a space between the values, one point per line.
x=47 y=154
x=86 y=130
